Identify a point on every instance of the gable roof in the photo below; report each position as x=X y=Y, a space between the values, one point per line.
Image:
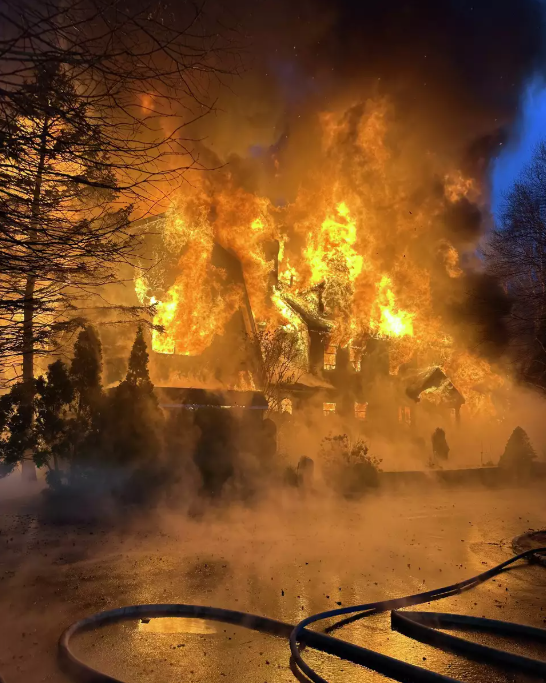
x=431 y=383
x=314 y=321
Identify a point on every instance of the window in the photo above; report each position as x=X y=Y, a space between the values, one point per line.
x=360 y=410
x=404 y=414
x=286 y=406
x=330 y=357
x=329 y=408
x=355 y=355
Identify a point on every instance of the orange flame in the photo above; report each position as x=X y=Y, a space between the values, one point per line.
x=360 y=246
x=199 y=303
x=392 y=322
x=334 y=242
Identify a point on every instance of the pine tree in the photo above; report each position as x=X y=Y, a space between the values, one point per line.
x=86 y=370
x=17 y=441
x=88 y=404
x=138 y=373
x=134 y=432
x=60 y=235
x=440 y=447
x=519 y=453
x=53 y=425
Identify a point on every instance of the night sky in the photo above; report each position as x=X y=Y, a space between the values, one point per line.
x=470 y=71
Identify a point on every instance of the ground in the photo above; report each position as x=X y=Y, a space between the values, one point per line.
x=286 y=559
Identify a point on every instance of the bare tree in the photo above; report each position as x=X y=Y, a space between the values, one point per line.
x=516 y=256
x=283 y=362
x=94 y=97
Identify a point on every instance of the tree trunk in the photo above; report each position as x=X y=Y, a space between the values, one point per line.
x=28 y=466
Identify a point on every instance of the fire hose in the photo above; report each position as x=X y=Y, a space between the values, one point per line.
x=418 y=625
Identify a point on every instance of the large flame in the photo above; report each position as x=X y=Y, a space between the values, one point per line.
x=391 y=321
x=359 y=246
x=199 y=303
x=334 y=241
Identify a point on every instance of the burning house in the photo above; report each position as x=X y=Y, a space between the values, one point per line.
x=352 y=381
x=356 y=268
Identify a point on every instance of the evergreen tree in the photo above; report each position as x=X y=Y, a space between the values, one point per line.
x=53 y=426
x=49 y=441
x=138 y=373
x=134 y=430
x=88 y=404
x=86 y=371
x=440 y=447
x=17 y=441
x=519 y=453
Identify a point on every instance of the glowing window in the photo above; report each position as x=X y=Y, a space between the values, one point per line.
x=330 y=358
x=329 y=408
x=360 y=410
x=354 y=356
x=286 y=406
x=404 y=414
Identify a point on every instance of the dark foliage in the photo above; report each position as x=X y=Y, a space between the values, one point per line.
x=86 y=371
x=440 y=447
x=215 y=451
x=133 y=420
x=87 y=439
x=349 y=466
x=54 y=396
x=60 y=234
x=519 y=453
x=16 y=441
x=138 y=373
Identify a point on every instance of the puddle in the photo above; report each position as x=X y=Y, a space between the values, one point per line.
x=176 y=625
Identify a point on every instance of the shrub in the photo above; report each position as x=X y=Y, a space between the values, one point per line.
x=518 y=453
x=440 y=448
x=132 y=425
x=348 y=465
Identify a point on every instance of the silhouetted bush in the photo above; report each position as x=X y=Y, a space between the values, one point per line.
x=518 y=453
x=348 y=466
x=440 y=448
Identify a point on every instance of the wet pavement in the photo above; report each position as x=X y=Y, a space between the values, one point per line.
x=285 y=560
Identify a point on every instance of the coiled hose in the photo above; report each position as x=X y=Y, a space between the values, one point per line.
x=418 y=625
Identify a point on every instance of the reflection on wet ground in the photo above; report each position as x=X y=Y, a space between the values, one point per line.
x=285 y=563
x=173 y=625
x=241 y=655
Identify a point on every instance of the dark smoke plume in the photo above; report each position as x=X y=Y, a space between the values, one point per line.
x=455 y=69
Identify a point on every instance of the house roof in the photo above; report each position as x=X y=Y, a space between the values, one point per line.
x=431 y=383
x=312 y=319
x=310 y=385
x=307 y=379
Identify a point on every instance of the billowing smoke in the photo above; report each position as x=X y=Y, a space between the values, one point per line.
x=459 y=66
x=452 y=73
x=357 y=138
